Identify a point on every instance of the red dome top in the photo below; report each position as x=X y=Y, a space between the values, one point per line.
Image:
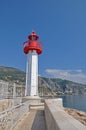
x=33 y=35
x=33 y=44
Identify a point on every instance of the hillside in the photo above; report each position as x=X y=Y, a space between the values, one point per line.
x=60 y=87
x=47 y=86
x=12 y=75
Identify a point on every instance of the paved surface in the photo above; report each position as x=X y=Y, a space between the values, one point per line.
x=33 y=120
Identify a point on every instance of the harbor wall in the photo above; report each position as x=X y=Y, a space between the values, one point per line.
x=58 y=119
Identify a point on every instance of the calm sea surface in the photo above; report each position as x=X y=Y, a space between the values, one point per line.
x=75 y=101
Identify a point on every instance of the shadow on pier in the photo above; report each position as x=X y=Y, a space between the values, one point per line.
x=39 y=121
x=33 y=120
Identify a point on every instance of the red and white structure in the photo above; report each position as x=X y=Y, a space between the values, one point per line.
x=32 y=48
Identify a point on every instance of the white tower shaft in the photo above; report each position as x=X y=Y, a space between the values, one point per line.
x=32 y=74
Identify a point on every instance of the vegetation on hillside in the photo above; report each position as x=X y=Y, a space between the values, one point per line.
x=11 y=74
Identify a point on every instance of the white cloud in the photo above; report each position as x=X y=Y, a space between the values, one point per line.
x=72 y=75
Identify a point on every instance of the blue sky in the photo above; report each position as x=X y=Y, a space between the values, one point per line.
x=61 y=25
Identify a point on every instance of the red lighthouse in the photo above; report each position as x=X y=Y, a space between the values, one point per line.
x=32 y=48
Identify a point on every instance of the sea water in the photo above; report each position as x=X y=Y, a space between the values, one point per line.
x=75 y=101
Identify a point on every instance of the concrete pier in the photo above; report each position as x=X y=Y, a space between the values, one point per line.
x=51 y=116
x=58 y=119
x=33 y=120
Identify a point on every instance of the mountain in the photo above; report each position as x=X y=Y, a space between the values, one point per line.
x=61 y=87
x=10 y=74
x=47 y=86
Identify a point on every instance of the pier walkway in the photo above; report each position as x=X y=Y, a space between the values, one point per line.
x=49 y=115
x=33 y=120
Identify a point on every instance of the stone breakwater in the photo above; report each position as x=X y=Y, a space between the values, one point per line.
x=79 y=115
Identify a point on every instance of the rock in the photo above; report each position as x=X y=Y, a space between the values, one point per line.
x=79 y=115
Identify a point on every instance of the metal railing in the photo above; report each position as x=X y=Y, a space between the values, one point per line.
x=10 y=117
x=11 y=106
